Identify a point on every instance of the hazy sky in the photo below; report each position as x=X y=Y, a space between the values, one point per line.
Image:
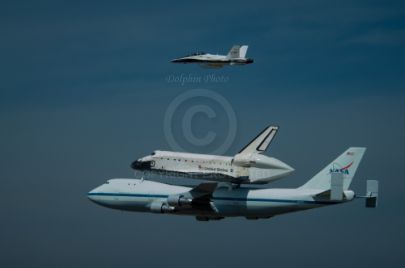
x=86 y=88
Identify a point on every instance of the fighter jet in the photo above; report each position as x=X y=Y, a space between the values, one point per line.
x=248 y=166
x=236 y=56
x=209 y=201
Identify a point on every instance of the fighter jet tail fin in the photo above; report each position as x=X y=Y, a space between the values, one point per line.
x=237 y=52
x=243 y=51
x=346 y=164
x=261 y=142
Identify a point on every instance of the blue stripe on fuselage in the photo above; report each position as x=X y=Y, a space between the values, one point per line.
x=222 y=198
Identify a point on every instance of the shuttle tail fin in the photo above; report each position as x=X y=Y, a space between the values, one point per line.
x=261 y=142
x=347 y=164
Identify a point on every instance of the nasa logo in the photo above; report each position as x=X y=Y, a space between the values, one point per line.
x=337 y=168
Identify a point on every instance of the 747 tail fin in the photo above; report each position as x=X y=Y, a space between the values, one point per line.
x=347 y=164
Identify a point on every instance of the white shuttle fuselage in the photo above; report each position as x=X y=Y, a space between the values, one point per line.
x=248 y=166
x=253 y=168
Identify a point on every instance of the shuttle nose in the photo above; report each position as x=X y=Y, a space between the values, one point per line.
x=136 y=164
x=141 y=165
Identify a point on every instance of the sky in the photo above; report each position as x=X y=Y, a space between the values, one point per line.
x=88 y=87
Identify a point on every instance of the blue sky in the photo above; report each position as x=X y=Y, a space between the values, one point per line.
x=84 y=92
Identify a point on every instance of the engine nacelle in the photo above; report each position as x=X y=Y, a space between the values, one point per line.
x=160 y=207
x=178 y=201
x=349 y=194
x=259 y=161
x=261 y=168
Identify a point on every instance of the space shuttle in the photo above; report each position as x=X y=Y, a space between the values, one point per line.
x=236 y=56
x=249 y=166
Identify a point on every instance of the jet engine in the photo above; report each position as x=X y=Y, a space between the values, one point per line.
x=178 y=201
x=160 y=207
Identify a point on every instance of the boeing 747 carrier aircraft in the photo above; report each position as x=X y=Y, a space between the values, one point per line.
x=248 y=166
x=236 y=56
x=209 y=201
